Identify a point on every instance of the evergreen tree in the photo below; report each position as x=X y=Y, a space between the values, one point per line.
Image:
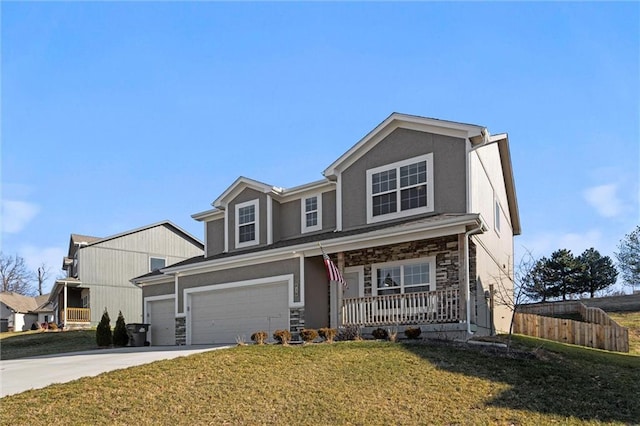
x=120 y=335
x=535 y=281
x=563 y=272
x=628 y=256
x=598 y=272
x=103 y=332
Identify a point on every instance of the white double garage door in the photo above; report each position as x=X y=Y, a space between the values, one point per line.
x=223 y=313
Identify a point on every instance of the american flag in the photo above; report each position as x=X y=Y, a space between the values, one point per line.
x=333 y=271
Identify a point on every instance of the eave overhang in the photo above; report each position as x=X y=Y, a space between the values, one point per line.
x=454 y=225
x=502 y=140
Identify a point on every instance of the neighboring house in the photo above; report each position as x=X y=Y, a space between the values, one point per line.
x=21 y=312
x=419 y=216
x=99 y=271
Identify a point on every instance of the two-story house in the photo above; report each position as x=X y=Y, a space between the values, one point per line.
x=99 y=270
x=419 y=216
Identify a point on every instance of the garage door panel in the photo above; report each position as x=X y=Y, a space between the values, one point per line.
x=220 y=316
x=162 y=320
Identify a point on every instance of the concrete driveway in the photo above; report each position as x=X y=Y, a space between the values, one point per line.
x=23 y=374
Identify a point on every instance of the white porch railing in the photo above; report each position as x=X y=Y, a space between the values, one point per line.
x=410 y=308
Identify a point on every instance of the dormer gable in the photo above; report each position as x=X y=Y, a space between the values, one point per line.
x=240 y=185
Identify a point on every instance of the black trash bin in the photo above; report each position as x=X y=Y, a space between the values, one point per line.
x=137 y=334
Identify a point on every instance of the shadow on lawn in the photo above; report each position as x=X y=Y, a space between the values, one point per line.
x=546 y=382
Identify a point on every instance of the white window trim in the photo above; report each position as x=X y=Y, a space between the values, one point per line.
x=303 y=221
x=256 y=240
x=431 y=260
x=399 y=213
x=157 y=257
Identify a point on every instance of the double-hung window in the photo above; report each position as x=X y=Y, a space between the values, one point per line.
x=247 y=219
x=312 y=213
x=404 y=277
x=400 y=189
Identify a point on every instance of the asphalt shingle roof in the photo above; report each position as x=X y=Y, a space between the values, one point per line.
x=314 y=237
x=21 y=303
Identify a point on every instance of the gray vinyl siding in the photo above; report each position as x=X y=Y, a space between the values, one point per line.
x=248 y=194
x=159 y=239
x=329 y=210
x=99 y=265
x=290 y=219
x=106 y=268
x=449 y=163
x=158 y=289
x=316 y=293
x=291 y=215
x=128 y=300
x=275 y=220
x=215 y=237
x=283 y=267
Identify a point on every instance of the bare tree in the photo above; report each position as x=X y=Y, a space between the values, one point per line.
x=42 y=274
x=15 y=275
x=511 y=293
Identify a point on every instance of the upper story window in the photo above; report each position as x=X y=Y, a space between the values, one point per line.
x=400 y=189
x=498 y=211
x=247 y=224
x=312 y=213
x=156 y=263
x=404 y=277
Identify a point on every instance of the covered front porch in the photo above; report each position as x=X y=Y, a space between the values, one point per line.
x=72 y=307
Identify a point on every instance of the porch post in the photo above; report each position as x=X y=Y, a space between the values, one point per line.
x=464 y=279
x=64 y=322
x=333 y=304
x=340 y=288
x=335 y=296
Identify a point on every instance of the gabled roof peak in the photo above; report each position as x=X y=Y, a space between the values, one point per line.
x=396 y=120
x=166 y=223
x=241 y=183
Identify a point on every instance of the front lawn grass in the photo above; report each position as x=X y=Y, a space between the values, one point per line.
x=33 y=343
x=631 y=320
x=350 y=383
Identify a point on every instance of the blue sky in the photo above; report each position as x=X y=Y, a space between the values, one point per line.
x=119 y=115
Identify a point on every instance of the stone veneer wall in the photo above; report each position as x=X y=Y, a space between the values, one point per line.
x=445 y=250
x=296 y=321
x=181 y=331
x=472 y=266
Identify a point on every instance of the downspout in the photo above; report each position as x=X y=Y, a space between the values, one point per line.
x=65 y=306
x=485 y=140
x=467 y=288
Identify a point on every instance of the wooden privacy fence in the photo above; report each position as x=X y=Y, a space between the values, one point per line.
x=599 y=330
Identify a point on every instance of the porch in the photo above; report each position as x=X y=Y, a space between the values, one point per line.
x=429 y=307
x=72 y=304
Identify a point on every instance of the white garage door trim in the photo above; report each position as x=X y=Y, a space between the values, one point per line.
x=147 y=310
x=289 y=279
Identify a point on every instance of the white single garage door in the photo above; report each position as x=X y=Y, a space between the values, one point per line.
x=220 y=316
x=162 y=319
